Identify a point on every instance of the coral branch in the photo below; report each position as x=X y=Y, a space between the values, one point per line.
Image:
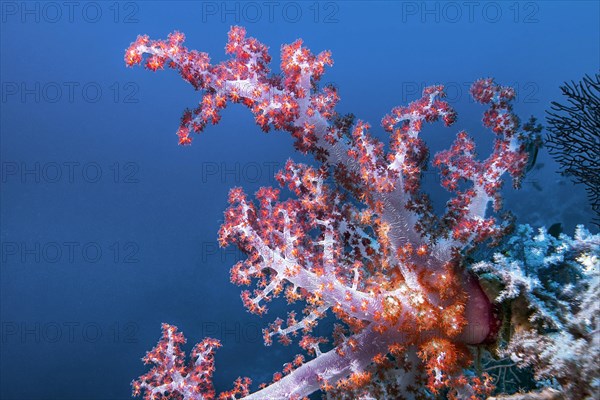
x=170 y=375
x=356 y=238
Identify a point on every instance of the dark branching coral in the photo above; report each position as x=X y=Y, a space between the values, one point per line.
x=574 y=135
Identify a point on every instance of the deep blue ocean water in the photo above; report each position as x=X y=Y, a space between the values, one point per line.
x=109 y=227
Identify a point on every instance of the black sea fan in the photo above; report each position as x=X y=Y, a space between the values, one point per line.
x=574 y=135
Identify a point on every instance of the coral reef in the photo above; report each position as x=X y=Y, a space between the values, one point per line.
x=357 y=238
x=551 y=287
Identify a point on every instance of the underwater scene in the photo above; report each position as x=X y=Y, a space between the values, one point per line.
x=299 y=200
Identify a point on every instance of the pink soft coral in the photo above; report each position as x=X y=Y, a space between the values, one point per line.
x=389 y=269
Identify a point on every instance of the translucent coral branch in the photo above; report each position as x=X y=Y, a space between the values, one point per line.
x=328 y=367
x=171 y=376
